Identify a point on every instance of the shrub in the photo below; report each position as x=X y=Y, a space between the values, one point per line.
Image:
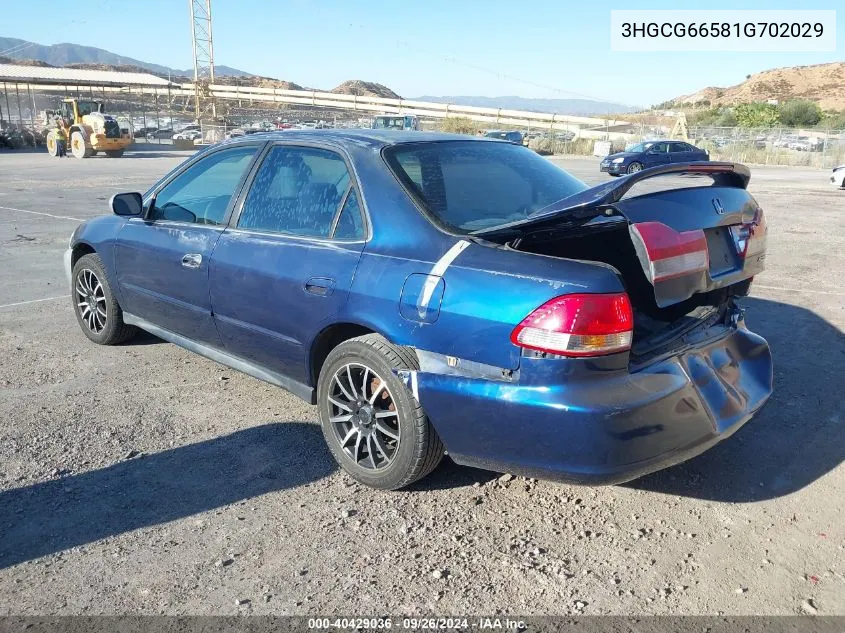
x=800 y=113
x=833 y=121
x=459 y=125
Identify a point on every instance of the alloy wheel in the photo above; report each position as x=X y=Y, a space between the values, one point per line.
x=364 y=416
x=91 y=300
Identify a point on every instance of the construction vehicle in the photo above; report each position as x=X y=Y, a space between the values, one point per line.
x=88 y=130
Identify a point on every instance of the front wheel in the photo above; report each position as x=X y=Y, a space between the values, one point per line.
x=96 y=308
x=373 y=425
x=634 y=167
x=52 y=143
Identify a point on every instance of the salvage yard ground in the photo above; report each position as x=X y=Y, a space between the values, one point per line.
x=145 y=479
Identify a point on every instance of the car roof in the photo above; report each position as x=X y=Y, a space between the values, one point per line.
x=358 y=137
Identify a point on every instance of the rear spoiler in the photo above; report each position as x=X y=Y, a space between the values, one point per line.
x=584 y=204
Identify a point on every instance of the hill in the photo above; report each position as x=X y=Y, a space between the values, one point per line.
x=583 y=107
x=364 y=89
x=27 y=53
x=21 y=51
x=822 y=83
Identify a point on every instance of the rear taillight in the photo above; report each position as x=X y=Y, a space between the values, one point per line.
x=578 y=325
x=750 y=239
x=671 y=253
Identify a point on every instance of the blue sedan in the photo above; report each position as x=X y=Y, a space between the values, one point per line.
x=434 y=293
x=651 y=154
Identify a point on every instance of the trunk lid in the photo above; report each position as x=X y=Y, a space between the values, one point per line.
x=688 y=240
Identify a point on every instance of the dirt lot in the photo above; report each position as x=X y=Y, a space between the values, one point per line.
x=144 y=479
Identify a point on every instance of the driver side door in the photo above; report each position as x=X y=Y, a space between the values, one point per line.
x=162 y=259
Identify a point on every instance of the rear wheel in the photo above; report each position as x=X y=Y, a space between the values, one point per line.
x=114 y=153
x=373 y=425
x=78 y=147
x=634 y=167
x=97 y=311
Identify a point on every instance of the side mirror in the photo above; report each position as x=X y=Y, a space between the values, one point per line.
x=126 y=203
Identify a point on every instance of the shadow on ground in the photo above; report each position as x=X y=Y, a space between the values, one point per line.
x=148 y=490
x=143 y=338
x=798 y=437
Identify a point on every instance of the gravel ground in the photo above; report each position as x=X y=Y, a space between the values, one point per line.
x=144 y=479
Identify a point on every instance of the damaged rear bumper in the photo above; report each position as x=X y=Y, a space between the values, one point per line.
x=600 y=427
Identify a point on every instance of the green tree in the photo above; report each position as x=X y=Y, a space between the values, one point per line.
x=800 y=113
x=757 y=115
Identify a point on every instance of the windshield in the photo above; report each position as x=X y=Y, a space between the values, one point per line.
x=469 y=186
x=389 y=123
x=87 y=107
x=639 y=147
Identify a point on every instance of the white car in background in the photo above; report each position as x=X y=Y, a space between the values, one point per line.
x=837 y=178
x=190 y=135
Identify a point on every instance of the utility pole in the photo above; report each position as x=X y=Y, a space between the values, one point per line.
x=203 y=51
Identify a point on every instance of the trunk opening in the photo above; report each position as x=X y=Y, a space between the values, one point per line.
x=655 y=327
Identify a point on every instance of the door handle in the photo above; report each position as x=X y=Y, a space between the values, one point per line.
x=191 y=260
x=320 y=286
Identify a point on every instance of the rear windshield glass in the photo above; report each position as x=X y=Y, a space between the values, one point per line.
x=473 y=185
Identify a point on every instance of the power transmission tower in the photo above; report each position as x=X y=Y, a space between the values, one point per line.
x=203 y=51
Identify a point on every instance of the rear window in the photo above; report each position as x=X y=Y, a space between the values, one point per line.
x=470 y=186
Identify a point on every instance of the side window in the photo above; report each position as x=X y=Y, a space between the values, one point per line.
x=410 y=164
x=678 y=147
x=659 y=148
x=296 y=190
x=201 y=193
x=350 y=225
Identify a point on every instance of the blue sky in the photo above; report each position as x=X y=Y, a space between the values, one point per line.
x=534 y=48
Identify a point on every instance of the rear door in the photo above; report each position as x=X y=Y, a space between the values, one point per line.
x=657 y=154
x=162 y=259
x=283 y=269
x=680 y=153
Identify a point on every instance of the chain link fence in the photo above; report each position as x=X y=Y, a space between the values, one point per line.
x=760 y=146
x=773 y=146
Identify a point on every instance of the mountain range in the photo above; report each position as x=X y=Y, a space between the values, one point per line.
x=67 y=54
x=88 y=56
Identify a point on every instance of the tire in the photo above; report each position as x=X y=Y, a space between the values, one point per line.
x=634 y=167
x=382 y=461
x=52 y=144
x=90 y=287
x=78 y=147
x=114 y=153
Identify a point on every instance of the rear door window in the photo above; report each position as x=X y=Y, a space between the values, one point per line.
x=298 y=190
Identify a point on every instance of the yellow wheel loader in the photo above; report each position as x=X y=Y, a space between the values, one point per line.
x=87 y=130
